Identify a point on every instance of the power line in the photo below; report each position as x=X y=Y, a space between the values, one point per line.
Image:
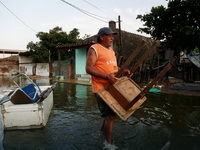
x=86 y=12
x=127 y=25
x=98 y=8
x=17 y=17
x=105 y=12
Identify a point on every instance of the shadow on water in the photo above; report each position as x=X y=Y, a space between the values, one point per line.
x=164 y=122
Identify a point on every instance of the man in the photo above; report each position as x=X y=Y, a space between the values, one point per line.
x=102 y=65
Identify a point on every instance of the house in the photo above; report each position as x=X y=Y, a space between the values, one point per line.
x=124 y=44
x=27 y=67
x=189 y=65
x=20 y=61
x=80 y=49
x=123 y=48
x=9 y=65
x=9 y=61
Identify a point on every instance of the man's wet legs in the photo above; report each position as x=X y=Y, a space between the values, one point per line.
x=107 y=127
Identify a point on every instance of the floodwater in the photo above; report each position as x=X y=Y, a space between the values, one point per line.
x=164 y=122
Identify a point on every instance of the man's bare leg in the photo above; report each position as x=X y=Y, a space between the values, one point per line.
x=107 y=127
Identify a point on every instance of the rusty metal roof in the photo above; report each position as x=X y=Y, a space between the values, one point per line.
x=82 y=44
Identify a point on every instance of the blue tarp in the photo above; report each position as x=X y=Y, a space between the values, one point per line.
x=186 y=86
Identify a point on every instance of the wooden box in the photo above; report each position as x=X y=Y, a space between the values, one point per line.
x=119 y=95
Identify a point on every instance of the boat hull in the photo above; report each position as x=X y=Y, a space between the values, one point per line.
x=27 y=116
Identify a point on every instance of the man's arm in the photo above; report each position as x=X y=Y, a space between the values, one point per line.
x=90 y=69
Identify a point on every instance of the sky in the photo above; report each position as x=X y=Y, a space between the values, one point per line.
x=21 y=20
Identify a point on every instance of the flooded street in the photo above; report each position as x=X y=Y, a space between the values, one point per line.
x=164 y=122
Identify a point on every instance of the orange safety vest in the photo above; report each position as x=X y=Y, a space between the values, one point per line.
x=106 y=63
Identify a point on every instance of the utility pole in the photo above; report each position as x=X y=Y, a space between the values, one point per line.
x=50 y=62
x=120 y=42
x=120 y=36
x=59 y=63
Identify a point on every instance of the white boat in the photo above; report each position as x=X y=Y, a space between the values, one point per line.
x=28 y=107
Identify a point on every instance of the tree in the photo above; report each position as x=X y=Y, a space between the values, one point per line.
x=45 y=50
x=38 y=52
x=177 y=26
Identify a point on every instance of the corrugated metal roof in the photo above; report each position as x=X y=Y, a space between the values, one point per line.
x=195 y=59
x=85 y=43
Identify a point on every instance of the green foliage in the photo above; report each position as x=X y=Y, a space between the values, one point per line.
x=195 y=51
x=177 y=26
x=40 y=51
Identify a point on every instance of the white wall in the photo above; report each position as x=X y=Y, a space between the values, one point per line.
x=26 y=66
x=42 y=69
x=26 y=69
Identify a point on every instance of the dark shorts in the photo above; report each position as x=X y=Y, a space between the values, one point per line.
x=103 y=107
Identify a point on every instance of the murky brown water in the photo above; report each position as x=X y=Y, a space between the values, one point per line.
x=165 y=122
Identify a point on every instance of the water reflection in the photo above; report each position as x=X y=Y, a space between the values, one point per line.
x=177 y=116
x=164 y=122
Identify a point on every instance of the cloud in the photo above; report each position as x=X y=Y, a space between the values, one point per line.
x=133 y=12
x=117 y=10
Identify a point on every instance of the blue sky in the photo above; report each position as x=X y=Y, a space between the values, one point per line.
x=33 y=16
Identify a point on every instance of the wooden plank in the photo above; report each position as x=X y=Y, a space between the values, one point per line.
x=158 y=77
x=129 y=89
x=144 y=56
x=130 y=59
x=118 y=96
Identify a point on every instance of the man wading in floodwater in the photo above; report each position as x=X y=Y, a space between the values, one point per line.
x=102 y=66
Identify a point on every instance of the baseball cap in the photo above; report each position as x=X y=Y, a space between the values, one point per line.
x=105 y=30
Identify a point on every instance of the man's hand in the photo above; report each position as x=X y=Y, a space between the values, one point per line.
x=111 y=78
x=127 y=73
